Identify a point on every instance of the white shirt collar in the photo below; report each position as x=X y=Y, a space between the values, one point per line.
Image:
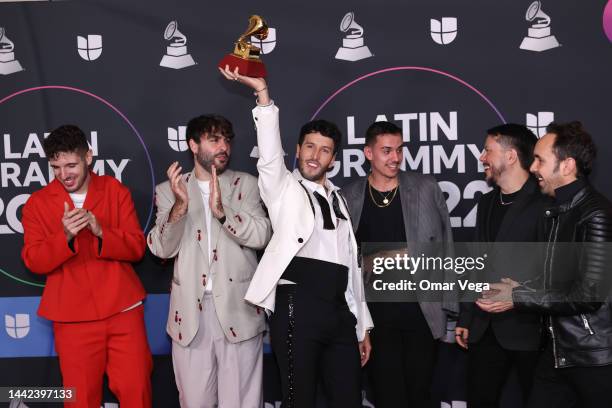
x=312 y=186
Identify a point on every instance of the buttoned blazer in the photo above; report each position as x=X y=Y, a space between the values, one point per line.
x=233 y=262
x=292 y=221
x=95 y=279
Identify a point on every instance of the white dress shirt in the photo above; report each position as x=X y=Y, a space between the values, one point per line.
x=325 y=245
x=205 y=191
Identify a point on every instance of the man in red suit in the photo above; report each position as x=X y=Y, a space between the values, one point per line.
x=82 y=231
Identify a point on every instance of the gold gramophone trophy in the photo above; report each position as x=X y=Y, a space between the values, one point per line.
x=246 y=55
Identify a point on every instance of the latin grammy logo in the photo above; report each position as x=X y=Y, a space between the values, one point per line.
x=8 y=63
x=176 y=53
x=353 y=47
x=538 y=37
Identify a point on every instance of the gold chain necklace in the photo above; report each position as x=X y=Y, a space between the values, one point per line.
x=386 y=200
x=501 y=200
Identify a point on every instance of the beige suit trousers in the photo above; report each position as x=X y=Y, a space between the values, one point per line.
x=212 y=372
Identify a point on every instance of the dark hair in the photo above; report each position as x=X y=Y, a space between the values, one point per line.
x=210 y=124
x=324 y=127
x=65 y=139
x=572 y=140
x=517 y=137
x=380 y=128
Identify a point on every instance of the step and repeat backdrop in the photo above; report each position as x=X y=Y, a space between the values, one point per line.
x=131 y=74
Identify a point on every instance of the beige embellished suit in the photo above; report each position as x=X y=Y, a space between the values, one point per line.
x=198 y=334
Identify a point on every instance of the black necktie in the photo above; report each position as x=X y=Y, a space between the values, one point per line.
x=328 y=224
x=336 y=204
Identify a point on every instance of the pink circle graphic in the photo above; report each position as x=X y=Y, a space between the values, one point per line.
x=408 y=68
x=607 y=20
x=113 y=108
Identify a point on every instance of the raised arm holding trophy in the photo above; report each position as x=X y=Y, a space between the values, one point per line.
x=246 y=56
x=308 y=277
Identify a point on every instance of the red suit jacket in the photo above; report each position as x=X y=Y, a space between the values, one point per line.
x=95 y=281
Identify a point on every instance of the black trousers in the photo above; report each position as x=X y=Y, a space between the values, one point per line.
x=313 y=338
x=401 y=367
x=489 y=365
x=575 y=387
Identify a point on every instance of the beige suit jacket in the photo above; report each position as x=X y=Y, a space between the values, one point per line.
x=246 y=229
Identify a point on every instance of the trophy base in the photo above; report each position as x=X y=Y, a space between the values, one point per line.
x=7 y=56
x=170 y=61
x=539 y=44
x=250 y=68
x=10 y=67
x=353 y=54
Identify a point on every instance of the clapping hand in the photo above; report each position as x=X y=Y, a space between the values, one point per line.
x=179 y=189
x=216 y=205
x=499 y=298
x=74 y=221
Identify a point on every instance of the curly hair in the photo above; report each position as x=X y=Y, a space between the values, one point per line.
x=65 y=139
x=209 y=124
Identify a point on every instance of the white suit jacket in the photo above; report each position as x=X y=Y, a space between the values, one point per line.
x=234 y=261
x=292 y=221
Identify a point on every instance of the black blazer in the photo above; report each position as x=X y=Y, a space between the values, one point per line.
x=523 y=222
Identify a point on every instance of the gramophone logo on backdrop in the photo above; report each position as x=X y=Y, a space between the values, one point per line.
x=268 y=44
x=454 y=404
x=537 y=123
x=90 y=48
x=17 y=326
x=177 y=139
x=8 y=63
x=255 y=152
x=176 y=53
x=353 y=47
x=444 y=31
x=539 y=37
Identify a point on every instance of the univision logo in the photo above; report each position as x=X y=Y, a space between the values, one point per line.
x=90 y=48
x=17 y=326
x=444 y=31
x=266 y=46
x=177 y=139
x=537 y=123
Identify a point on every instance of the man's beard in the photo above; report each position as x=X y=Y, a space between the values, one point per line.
x=495 y=175
x=311 y=177
x=206 y=160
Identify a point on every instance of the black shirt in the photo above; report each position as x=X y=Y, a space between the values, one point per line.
x=499 y=210
x=381 y=224
x=386 y=224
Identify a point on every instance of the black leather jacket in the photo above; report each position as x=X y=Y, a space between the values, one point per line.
x=575 y=286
